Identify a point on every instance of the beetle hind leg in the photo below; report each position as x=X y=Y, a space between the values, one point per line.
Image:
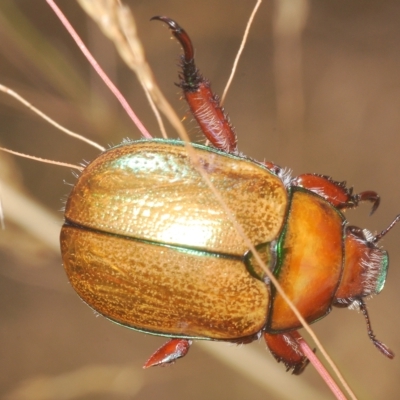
x=285 y=348
x=169 y=352
x=203 y=103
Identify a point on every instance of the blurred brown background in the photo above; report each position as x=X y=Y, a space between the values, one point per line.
x=339 y=116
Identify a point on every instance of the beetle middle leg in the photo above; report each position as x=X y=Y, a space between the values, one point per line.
x=203 y=103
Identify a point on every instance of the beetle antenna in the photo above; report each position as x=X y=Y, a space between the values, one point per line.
x=379 y=236
x=378 y=344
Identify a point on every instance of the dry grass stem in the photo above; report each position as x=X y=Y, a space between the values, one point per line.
x=118 y=24
x=75 y=135
x=240 y=51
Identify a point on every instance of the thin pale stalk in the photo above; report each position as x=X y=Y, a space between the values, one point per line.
x=26 y=103
x=240 y=51
x=43 y=160
x=117 y=23
x=156 y=114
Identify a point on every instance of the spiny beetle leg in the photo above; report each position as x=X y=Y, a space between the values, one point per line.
x=169 y=352
x=368 y=195
x=335 y=192
x=284 y=347
x=203 y=103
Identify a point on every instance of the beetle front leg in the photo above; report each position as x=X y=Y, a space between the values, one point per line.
x=284 y=347
x=203 y=103
x=335 y=192
x=169 y=352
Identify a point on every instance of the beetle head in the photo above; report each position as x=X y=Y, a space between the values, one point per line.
x=365 y=265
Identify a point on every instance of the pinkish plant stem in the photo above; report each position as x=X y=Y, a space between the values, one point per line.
x=99 y=70
x=309 y=353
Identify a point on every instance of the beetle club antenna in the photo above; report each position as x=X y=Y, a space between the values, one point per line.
x=379 y=236
x=377 y=343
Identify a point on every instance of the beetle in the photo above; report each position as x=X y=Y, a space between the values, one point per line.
x=146 y=244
